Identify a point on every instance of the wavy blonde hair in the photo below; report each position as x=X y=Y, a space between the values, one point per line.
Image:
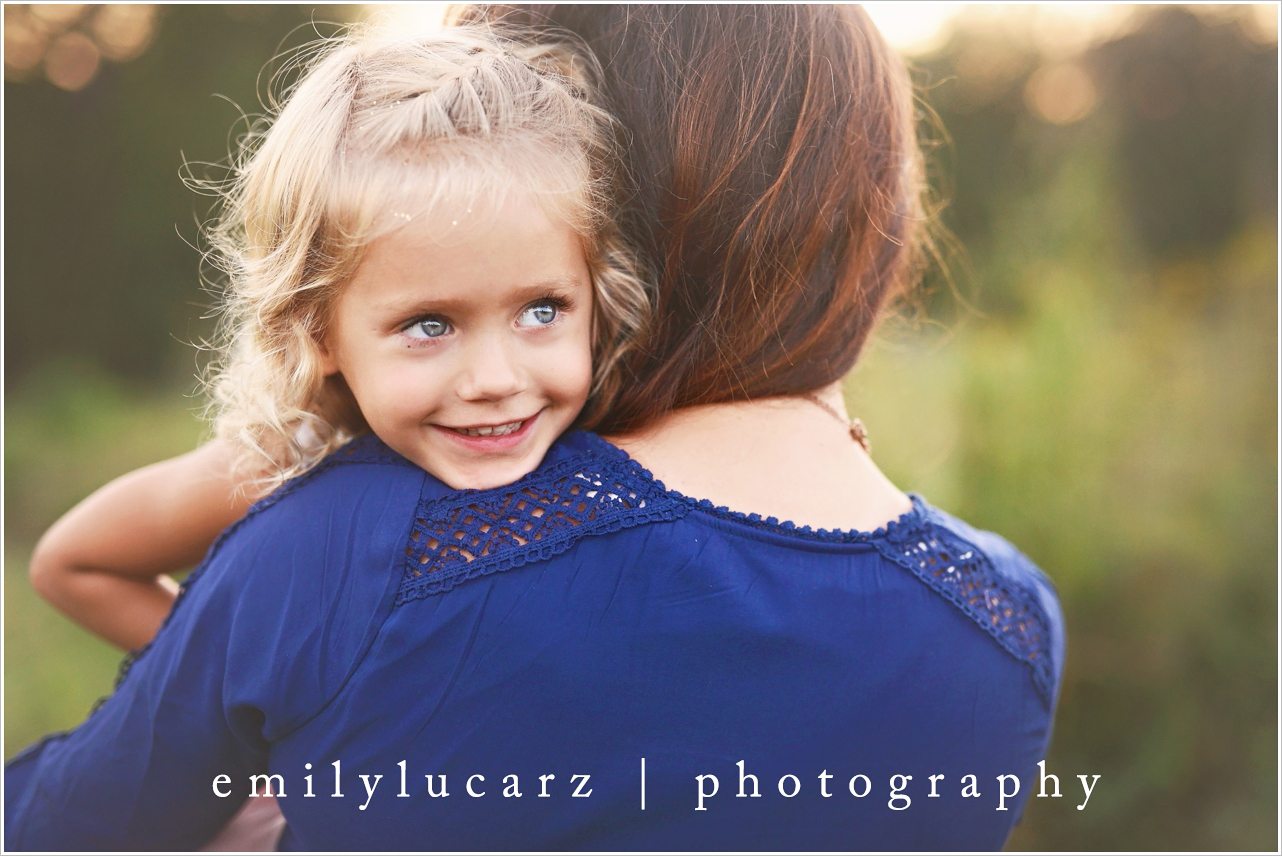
x=378 y=129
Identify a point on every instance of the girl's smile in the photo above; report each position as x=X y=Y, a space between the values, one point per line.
x=492 y=438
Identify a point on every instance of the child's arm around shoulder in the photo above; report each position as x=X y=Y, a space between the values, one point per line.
x=105 y=562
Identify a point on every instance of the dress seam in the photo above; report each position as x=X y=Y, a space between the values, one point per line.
x=387 y=605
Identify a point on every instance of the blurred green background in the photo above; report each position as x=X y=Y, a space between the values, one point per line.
x=1096 y=379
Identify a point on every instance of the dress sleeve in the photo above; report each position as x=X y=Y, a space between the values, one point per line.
x=1044 y=596
x=262 y=637
x=1043 y=591
x=1041 y=637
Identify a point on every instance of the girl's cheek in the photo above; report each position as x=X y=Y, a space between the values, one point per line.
x=572 y=372
x=405 y=384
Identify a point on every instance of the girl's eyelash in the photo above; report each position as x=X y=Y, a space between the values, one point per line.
x=405 y=330
x=562 y=304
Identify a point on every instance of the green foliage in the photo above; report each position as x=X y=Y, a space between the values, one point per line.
x=67 y=431
x=1109 y=405
x=53 y=670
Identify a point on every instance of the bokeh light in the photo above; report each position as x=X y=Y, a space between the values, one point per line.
x=123 y=32
x=914 y=28
x=1062 y=93
x=24 y=44
x=69 y=41
x=72 y=61
x=419 y=17
x=1260 y=24
x=58 y=15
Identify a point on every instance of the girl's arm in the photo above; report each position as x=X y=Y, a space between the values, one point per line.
x=279 y=620
x=105 y=562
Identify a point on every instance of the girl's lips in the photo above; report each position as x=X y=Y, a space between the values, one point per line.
x=493 y=442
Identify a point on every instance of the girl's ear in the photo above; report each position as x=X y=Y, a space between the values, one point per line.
x=329 y=362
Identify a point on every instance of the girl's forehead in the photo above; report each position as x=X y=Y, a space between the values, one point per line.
x=473 y=251
x=449 y=214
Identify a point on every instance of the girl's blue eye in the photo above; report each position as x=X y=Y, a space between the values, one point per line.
x=428 y=328
x=539 y=314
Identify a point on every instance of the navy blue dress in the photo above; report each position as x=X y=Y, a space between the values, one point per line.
x=580 y=660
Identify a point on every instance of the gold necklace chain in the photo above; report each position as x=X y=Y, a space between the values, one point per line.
x=858 y=432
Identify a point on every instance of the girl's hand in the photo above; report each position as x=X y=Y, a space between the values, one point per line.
x=105 y=563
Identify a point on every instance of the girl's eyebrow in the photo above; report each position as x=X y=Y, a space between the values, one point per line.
x=519 y=294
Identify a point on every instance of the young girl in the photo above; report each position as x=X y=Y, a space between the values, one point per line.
x=418 y=247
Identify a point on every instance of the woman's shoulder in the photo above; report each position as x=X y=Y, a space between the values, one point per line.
x=583 y=487
x=587 y=487
x=365 y=458
x=350 y=512
x=1007 y=559
x=443 y=535
x=987 y=577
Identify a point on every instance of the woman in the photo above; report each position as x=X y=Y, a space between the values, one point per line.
x=627 y=649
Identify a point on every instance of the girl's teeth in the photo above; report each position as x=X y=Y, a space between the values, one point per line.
x=497 y=430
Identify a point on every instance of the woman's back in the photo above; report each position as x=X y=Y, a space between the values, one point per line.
x=587 y=618
x=366 y=627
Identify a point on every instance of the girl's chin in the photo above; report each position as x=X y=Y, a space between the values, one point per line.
x=468 y=470
x=486 y=476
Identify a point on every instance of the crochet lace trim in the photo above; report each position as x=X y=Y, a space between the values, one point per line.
x=473 y=533
x=1003 y=606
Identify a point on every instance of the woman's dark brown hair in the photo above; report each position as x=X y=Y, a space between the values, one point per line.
x=771 y=183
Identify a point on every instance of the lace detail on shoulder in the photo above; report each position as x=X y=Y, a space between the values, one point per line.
x=998 y=602
x=477 y=532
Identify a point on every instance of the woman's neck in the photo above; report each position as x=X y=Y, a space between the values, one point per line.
x=786 y=457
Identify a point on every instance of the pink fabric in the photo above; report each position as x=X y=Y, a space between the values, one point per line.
x=256 y=827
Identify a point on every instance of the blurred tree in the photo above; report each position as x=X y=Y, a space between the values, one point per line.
x=94 y=196
x=1197 y=140
x=1117 y=412
x=1183 y=113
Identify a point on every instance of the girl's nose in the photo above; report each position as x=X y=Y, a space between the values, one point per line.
x=491 y=372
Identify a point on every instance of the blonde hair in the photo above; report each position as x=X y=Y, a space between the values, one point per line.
x=379 y=126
